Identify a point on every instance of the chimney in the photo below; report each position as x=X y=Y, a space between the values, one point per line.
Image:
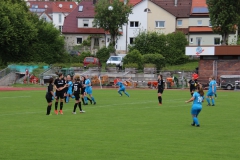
x=94 y=2
x=175 y=3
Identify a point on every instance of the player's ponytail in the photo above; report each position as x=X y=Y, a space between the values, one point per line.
x=200 y=89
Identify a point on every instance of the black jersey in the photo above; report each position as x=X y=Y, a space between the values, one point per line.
x=59 y=83
x=160 y=84
x=192 y=83
x=49 y=90
x=76 y=87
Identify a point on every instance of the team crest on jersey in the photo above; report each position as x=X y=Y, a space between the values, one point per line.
x=199 y=50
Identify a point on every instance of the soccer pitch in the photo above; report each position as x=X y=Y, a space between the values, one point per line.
x=119 y=128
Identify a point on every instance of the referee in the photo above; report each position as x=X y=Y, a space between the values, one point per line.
x=160 y=88
x=193 y=84
x=60 y=85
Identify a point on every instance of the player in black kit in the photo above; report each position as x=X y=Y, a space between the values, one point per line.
x=193 y=84
x=49 y=96
x=60 y=85
x=77 y=86
x=160 y=87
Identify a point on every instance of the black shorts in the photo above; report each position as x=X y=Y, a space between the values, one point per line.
x=60 y=94
x=82 y=91
x=192 y=89
x=49 y=100
x=160 y=90
x=77 y=96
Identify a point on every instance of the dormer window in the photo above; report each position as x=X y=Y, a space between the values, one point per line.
x=34 y=6
x=80 y=9
x=147 y=10
x=85 y=22
x=71 y=6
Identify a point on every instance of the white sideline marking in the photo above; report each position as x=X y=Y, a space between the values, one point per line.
x=16 y=97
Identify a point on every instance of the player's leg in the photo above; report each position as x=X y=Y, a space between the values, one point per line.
x=49 y=106
x=119 y=91
x=61 y=102
x=90 y=94
x=208 y=98
x=80 y=107
x=124 y=91
x=76 y=103
x=194 y=113
x=85 y=97
x=56 y=102
x=213 y=101
x=160 y=96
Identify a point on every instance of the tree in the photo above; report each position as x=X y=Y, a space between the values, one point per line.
x=149 y=42
x=224 y=16
x=111 y=15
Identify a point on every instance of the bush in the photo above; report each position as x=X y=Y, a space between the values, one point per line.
x=131 y=65
x=133 y=57
x=103 y=54
x=76 y=65
x=156 y=59
x=149 y=65
x=61 y=65
x=111 y=65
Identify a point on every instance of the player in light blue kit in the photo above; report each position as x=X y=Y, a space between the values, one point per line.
x=122 y=88
x=215 y=87
x=197 y=98
x=88 y=90
x=210 y=93
x=70 y=88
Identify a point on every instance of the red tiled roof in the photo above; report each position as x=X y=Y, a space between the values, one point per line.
x=200 y=29
x=70 y=25
x=53 y=6
x=134 y=2
x=199 y=3
x=182 y=9
x=184 y=30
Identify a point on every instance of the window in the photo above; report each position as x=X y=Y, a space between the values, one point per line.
x=134 y=24
x=199 y=22
x=179 y=22
x=60 y=28
x=210 y=24
x=79 y=40
x=34 y=6
x=147 y=10
x=60 y=18
x=217 y=41
x=44 y=19
x=96 y=42
x=132 y=40
x=160 y=24
x=85 y=23
x=198 y=41
x=71 y=5
x=191 y=40
x=80 y=8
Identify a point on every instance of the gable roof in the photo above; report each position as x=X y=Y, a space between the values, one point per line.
x=199 y=7
x=52 y=7
x=70 y=25
x=181 y=10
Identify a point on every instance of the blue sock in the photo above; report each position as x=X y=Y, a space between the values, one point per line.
x=213 y=102
x=67 y=99
x=85 y=99
x=195 y=119
x=126 y=93
x=93 y=99
x=120 y=93
x=208 y=100
x=73 y=96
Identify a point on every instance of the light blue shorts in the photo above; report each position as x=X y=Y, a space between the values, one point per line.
x=196 y=109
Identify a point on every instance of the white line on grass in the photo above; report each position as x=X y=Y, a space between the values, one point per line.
x=16 y=97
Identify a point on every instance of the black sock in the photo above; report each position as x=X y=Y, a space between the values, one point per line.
x=83 y=100
x=89 y=99
x=61 y=105
x=56 y=105
x=80 y=106
x=48 y=109
x=75 y=106
x=160 y=99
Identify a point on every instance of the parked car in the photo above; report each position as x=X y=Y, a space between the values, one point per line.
x=229 y=81
x=117 y=60
x=91 y=60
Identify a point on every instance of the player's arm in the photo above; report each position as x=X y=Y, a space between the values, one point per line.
x=190 y=100
x=51 y=91
x=213 y=88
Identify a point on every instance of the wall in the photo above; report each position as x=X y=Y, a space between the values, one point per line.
x=159 y=14
x=139 y=15
x=194 y=21
x=185 y=23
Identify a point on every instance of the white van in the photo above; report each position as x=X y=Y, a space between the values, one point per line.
x=118 y=60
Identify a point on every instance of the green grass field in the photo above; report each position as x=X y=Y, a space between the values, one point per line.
x=119 y=128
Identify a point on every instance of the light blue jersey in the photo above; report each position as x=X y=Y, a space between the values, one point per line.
x=88 y=88
x=121 y=85
x=70 y=85
x=215 y=86
x=121 y=88
x=198 y=99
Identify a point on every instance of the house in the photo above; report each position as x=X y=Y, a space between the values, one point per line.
x=200 y=29
x=52 y=11
x=78 y=26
